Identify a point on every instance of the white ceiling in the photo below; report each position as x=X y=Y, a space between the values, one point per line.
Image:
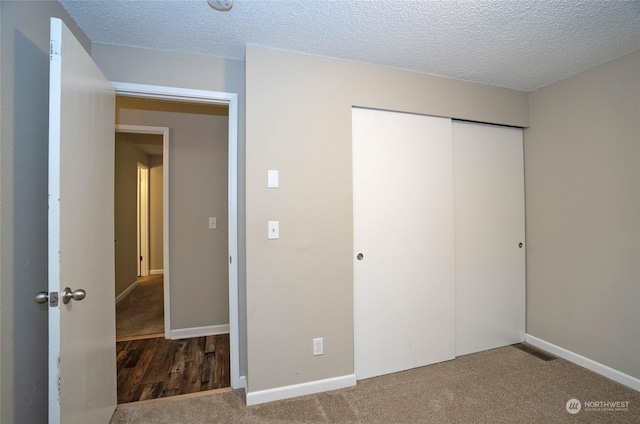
x=520 y=44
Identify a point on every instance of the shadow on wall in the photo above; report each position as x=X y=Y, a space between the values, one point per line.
x=30 y=211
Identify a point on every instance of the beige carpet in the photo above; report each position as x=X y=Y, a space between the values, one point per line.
x=142 y=311
x=505 y=385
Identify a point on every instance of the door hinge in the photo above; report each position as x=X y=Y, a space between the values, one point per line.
x=54 y=51
x=140 y=258
x=230 y=259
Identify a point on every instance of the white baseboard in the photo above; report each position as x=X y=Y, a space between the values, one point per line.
x=210 y=330
x=587 y=363
x=243 y=382
x=286 y=392
x=156 y=271
x=126 y=292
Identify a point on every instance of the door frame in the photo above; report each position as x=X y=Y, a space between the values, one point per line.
x=142 y=206
x=164 y=132
x=231 y=101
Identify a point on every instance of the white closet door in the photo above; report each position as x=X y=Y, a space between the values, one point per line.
x=490 y=264
x=404 y=295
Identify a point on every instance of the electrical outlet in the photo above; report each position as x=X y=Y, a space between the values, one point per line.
x=318 y=348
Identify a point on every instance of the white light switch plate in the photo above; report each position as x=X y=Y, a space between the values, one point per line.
x=272 y=179
x=212 y=223
x=274 y=230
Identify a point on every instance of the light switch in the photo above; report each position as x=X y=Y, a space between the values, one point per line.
x=212 y=223
x=272 y=179
x=274 y=230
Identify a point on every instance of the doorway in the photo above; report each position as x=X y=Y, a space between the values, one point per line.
x=231 y=101
x=198 y=299
x=141 y=307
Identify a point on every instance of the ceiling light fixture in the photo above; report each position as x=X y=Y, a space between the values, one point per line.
x=221 y=5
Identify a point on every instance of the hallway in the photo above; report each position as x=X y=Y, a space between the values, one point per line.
x=141 y=313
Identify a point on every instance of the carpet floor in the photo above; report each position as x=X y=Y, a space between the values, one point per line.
x=142 y=312
x=505 y=385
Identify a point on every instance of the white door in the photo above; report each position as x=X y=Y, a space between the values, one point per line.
x=490 y=262
x=82 y=369
x=403 y=213
x=143 y=219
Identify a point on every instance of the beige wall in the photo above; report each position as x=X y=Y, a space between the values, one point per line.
x=299 y=122
x=127 y=157
x=146 y=66
x=24 y=84
x=300 y=287
x=155 y=213
x=582 y=166
x=198 y=156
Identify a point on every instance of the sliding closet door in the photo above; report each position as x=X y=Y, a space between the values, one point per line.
x=404 y=295
x=490 y=253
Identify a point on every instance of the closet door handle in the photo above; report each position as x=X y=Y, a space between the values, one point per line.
x=360 y=256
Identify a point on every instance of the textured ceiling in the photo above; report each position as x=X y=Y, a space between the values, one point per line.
x=520 y=44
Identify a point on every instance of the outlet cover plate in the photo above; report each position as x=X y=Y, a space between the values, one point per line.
x=318 y=347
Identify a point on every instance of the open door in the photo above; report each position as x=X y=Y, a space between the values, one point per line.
x=82 y=368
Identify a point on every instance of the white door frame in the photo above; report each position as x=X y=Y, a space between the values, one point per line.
x=231 y=100
x=143 y=219
x=164 y=132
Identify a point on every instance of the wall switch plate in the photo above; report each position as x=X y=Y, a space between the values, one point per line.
x=212 y=223
x=318 y=347
x=272 y=179
x=274 y=230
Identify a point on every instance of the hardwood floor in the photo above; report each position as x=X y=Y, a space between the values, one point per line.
x=156 y=368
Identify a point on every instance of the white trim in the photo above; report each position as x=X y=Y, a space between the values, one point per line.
x=243 y=382
x=172 y=93
x=55 y=99
x=210 y=330
x=234 y=300
x=584 y=362
x=126 y=292
x=156 y=271
x=309 y=388
x=166 y=246
x=231 y=100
